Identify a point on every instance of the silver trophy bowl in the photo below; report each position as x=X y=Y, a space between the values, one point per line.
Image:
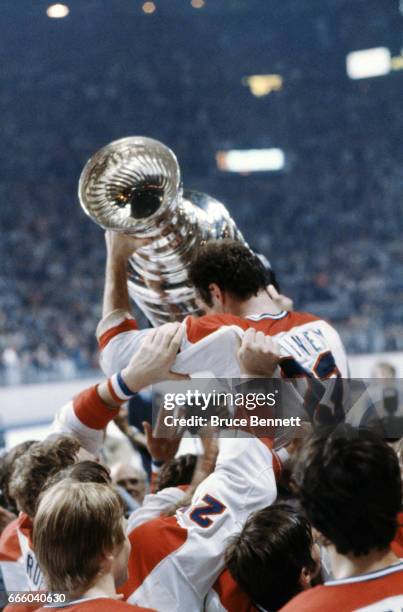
x=133 y=186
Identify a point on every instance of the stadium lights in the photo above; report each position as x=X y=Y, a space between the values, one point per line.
x=397 y=62
x=149 y=8
x=262 y=84
x=368 y=63
x=251 y=160
x=57 y=11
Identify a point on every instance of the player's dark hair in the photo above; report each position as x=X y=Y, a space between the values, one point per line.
x=229 y=264
x=266 y=558
x=177 y=471
x=349 y=484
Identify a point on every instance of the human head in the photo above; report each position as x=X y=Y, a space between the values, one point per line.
x=177 y=471
x=79 y=536
x=349 y=485
x=131 y=479
x=83 y=471
x=32 y=469
x=273 y=558
x=383 y=369
x=6 y=470
x=224 y=271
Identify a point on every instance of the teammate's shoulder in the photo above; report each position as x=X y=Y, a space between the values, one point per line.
x=199 y=327
x=295 y=318
x=302 y=319
x=230 y=594
x=160 y=535
x=24 y=523
x=9 y=544
x=284 y=322
x=312 y=600
x=10 y=530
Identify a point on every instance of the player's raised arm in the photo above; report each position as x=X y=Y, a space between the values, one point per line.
x=118 y=335
x=119 y=247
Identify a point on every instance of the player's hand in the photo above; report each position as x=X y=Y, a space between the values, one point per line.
x=121 y=246
x=160 y=449
x=258 y=354
x=153 y=360
x=282 y=301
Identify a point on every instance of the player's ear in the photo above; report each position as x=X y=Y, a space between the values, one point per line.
x=305 y=578
x=106 y=564
x=216 y=293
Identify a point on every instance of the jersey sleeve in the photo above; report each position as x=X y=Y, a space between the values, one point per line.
x=118 y=339
x=243 y=481
x=85 y=417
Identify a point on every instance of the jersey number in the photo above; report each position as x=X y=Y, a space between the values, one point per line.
x=200 y=514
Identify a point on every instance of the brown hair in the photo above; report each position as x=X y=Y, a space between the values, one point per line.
x=267 y=557
x=177 y=471
x=75 y=525
x=229 y=264
x=350 y=487
x=84 y=471
x=6 y=470
x=36 y=465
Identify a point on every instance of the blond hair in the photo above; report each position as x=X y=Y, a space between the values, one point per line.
x=75 y=525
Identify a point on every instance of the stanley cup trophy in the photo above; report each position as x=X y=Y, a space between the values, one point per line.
x=133 y=186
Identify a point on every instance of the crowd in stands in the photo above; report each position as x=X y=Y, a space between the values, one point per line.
x=347 y=268
x=330 y=222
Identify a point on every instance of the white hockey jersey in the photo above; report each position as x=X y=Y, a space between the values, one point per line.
x=176 y=560
x=210 y=343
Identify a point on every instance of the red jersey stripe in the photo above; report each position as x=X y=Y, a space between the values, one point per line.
x=199 y=328
x=91 y=410
x=9 y=545
x=125 y=326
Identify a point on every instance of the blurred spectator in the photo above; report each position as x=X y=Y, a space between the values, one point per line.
x=383 y=369
x=131 y=479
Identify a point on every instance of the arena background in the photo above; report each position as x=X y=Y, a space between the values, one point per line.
x=204 y=77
